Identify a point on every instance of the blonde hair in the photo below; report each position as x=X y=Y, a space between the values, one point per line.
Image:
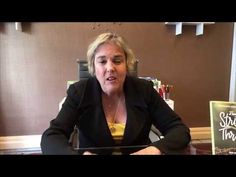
x=109 y=37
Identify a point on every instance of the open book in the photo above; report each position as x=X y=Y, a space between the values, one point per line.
x=223 y=127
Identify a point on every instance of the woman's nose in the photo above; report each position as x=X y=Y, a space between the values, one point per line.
x=110 y=66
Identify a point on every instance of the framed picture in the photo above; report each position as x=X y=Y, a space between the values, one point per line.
x=223 y=127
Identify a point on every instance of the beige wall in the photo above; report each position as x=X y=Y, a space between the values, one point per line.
x=36 y=63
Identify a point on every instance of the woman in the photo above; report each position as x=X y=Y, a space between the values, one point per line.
x=114 y=109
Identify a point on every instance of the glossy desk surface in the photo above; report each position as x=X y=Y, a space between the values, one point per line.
x=199 y=148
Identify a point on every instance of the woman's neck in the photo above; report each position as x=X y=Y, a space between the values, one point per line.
x=112 y=97
x=114 y=108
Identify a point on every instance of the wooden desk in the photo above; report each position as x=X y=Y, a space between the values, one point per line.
x=21 y=151
x=26 y=144
x=199 y=148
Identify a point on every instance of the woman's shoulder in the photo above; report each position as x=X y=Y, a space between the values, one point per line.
x=77 y=87
x=139 y=81
x=87 y=81
x=79 y=84
x=138 y=86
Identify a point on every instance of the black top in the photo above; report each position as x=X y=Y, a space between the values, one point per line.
x=83 y=107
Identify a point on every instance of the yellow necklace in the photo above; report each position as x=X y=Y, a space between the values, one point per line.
x=113 y=120
x=113 y=128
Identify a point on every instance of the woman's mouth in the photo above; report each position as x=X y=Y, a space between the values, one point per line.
x=111 y=79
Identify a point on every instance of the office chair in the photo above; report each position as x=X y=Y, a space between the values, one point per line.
x=83 y=73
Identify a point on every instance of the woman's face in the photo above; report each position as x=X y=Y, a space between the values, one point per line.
x=110 y=67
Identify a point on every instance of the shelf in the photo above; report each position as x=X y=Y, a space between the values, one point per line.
x=199 y=26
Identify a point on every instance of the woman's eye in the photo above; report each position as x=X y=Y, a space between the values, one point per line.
x=117 y=60
x=102 y=61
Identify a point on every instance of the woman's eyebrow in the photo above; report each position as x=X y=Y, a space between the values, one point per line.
x=101 y=57
x=118 y=55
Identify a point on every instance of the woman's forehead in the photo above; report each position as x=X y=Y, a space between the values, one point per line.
x=109 y=48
